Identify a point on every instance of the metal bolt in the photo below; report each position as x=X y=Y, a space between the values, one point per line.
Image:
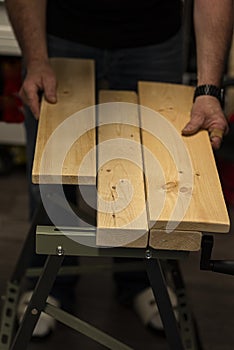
x=59 y=250
x=148 y=254
x=34 y=312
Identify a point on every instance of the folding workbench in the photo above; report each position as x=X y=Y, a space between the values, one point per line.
x=153 y=191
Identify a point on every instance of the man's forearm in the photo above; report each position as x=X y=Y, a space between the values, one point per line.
x=28 y=18
x=213 y=27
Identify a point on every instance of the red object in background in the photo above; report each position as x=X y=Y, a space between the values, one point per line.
x=11 y=107
x=231 y=119
x=226 y=172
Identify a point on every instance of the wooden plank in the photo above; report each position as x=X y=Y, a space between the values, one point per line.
x=183 y=189
x=175 y=240
x=58 y=159
x=121 y=214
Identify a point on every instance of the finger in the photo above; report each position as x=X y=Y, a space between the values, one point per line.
x=34 y=105
x=216 y=133
x=216 y=137
x=191 y=128
x=216 y=142
x=50 y=87
x=30 y=97
x=194 y=125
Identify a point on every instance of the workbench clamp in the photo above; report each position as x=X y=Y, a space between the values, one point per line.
x=221 y=266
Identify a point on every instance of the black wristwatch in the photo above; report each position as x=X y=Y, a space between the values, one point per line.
x=210 y=90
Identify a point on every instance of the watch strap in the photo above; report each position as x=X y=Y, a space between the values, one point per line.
x=210 y=90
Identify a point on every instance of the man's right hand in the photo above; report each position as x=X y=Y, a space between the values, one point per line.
x=40 y=78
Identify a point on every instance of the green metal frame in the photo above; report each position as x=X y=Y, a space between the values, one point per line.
x=59 y=242
x=49 y=240
x=85 y=328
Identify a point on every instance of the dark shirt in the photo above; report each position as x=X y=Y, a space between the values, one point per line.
x=114 y=24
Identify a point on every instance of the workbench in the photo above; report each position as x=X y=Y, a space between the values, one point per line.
x=154 y=193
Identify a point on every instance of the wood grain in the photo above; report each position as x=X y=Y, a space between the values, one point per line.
x=186 y=198
x=58 y=159
x=176 y=240
x=121 y=215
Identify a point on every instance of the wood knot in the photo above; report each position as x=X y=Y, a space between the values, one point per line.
x=170 y=186
x=186 y=190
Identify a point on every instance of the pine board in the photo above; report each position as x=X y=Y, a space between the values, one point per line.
x=183 y=187
x=121 y=214
x=58 y=159
x=176 y=240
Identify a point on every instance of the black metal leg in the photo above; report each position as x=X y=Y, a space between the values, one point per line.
x=159 y=287
x=188 y=327
x=37 y=303
x=13 y=286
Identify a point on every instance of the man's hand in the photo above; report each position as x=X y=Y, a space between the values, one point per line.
x=207 y=114
x=40 y=78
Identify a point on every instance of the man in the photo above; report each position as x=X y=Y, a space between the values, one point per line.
x=213 y=28
x=130 y=41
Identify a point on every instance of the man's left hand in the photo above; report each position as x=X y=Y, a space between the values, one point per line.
x=207 y=114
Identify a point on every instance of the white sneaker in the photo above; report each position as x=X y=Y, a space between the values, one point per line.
x=145 y=306
x=46 y=324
